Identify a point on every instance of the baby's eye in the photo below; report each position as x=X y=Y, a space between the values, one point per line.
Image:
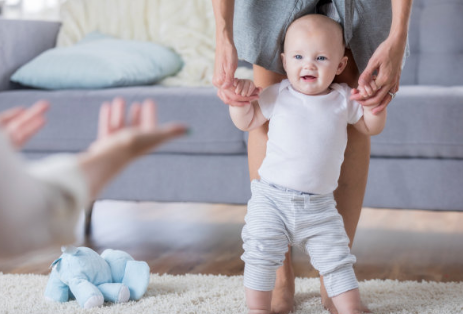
x=321 y=58
x=298 y=57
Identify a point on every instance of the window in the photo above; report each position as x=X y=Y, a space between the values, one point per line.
x=31 y=9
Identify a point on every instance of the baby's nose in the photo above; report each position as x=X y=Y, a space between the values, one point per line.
x=309 y=65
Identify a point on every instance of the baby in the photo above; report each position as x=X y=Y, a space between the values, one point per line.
x=293 y=202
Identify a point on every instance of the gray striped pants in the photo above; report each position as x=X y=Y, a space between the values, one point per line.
x=277 y=217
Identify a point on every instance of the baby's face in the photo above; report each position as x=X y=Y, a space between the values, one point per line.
x=312 y=58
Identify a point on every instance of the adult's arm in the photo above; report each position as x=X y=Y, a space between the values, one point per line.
x=40 y=202
x=226 y=57
x=387 y=61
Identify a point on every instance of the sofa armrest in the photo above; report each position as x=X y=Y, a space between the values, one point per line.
x=20 y=42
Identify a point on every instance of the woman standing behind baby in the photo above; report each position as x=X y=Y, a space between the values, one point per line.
x=375 y=34
x=293 y=202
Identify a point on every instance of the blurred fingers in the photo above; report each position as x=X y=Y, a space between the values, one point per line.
x=135 y=114
x=27 y=116
x=148 y=140
x=148 y=114
x=24 y=124
x=117 y=114
x=104 y=126
x=165 y=133
x=27 y=131
x=10 y=114
x=172 y=130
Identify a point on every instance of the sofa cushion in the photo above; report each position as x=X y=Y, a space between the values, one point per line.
x=73 y=118
x=99 y=61
x=423 y=122
x=435 y=44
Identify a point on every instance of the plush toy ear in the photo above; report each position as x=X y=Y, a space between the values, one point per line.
x=69 y=249
x=55 y=262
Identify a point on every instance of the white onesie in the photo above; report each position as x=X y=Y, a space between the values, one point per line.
x=307 y=136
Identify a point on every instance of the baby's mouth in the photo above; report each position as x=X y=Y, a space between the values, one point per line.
x=308 y=78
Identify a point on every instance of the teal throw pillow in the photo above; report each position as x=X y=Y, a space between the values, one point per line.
x=99 y=61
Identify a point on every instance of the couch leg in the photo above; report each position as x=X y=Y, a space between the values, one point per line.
x=88 y=219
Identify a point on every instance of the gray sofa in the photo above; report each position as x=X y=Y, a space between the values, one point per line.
x=417 y=162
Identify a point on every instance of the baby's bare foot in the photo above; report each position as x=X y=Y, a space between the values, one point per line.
x=362 y=311
x=283 y=296
x=328 y=304
x=365 y=309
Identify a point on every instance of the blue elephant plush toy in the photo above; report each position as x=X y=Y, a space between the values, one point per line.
x=91 y=279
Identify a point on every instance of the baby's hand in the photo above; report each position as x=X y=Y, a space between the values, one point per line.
x=357 y=93
x=246 y=88
x=368 y=89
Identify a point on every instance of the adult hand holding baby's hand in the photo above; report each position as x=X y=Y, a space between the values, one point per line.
x=355 y=92
x=246 y=88
x=226 y=62
x=240 y=93
x=380 y=80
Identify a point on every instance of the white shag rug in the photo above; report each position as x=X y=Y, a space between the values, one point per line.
x=197 y=294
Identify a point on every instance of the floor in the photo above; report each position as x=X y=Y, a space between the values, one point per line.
x=179 y=238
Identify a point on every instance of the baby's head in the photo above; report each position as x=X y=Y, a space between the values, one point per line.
x=313 y=53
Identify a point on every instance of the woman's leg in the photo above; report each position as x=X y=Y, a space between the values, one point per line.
x=283 y=293
x=354 y=173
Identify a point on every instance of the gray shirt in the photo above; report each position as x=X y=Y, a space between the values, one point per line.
x=260 y=26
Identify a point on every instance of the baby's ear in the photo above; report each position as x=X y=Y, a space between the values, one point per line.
x=342 y=65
